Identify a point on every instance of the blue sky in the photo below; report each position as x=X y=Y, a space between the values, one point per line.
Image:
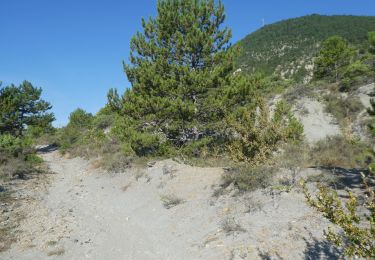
x=74 y=49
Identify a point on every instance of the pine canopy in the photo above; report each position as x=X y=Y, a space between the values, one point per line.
x=178 y=65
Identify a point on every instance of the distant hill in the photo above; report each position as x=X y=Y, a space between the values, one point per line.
x=287 y=47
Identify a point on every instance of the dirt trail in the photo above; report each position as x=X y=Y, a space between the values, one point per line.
x=88 y=214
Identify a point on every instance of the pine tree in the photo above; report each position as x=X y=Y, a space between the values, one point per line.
x=334 y=55
x=22 y=107
x=178 y=65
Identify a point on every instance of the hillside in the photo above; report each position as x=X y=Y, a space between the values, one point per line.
x=288 y=46
x=198 y=159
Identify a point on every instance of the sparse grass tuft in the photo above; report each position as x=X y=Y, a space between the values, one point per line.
x=170 y=201
x=247 y=178
x=51 y=243
x=230 y=226
x=252 y=205
x=117 y=163
x=126 y=187
x=57 y=252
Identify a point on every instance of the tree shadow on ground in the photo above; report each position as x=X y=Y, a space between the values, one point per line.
x=323 y=249
x=47 y=148
x=347 y=178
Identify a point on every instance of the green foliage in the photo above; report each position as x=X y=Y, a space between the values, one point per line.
x=256 y=134
x=17 y=158
x=358 y=237
x=80 y=118
x=371 y=39
x=177 y=66
x=290 y=45
x=334 y=56
x=79 y=123
x=22 y=107
x=12 y=145
x=145 y=144
x=355 y=73
x=186 y=98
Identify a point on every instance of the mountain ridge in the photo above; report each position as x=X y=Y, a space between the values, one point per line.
x=288 y=46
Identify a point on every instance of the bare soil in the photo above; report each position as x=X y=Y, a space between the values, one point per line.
x=85 y=213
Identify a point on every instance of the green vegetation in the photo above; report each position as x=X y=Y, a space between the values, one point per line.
x=179 y=64
x=371 y=37
x=186 y=99
x=358 y=236
x=348 y=66
x=24 y=117
x=356 y=219
x=288 y=46
x=334 y=55
x=22 y=107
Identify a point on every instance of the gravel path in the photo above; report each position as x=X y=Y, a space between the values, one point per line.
x=88 y=214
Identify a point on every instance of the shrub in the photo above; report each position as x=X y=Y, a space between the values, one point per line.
x=247 y=178
x=11 y=145
x=170 y=201
x=256 y=135
x=77 y=131
x=336 y=151
x=343 y=108
x=145 y=144
x=358 y=236
x=355 y=73
x=116 y=163
x=230 y=225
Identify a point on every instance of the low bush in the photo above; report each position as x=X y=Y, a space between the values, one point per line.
x=337 y=151
x=343 y=108
x=116 y=163
x=170 y=200
x=256 y=134
x=230 y=226
x=246 y=178
x=357 y=236
x=354 y=74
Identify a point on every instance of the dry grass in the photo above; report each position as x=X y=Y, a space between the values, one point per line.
x=343 y=108
x=336 y=151
x=126 y=187
x=51 y=243
x=171 y=200
x=246 y=178
x=117 y=163
x=230 y=226
x=56 y=252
